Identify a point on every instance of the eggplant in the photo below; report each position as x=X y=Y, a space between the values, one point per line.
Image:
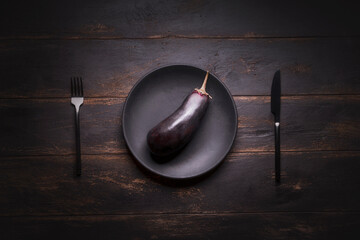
x=169 y=136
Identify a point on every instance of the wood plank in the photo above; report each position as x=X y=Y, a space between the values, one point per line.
x=189 y=18
x=113 y=184
x=46 y=126
x=204 y=226
x=42 y=68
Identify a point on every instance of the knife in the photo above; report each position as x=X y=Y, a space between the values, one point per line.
x=275 y=109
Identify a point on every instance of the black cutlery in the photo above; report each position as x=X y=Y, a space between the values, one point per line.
x=77 y=99
x=275 y=109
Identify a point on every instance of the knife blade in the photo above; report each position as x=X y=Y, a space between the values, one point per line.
x=275 y=109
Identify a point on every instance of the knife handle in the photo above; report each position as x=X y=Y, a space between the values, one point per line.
x=277 y=152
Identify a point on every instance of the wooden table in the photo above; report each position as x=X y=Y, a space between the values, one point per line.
x=112 y=44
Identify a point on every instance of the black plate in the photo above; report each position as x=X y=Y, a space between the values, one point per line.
x=159 y=94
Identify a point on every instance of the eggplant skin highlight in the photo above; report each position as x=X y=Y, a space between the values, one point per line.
x=174 y=132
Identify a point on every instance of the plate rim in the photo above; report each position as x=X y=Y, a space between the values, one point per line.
x=221 y=159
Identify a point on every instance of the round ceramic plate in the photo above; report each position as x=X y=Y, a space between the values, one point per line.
x=160 y=93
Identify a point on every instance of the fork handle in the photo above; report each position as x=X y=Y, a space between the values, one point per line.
x=78 y=147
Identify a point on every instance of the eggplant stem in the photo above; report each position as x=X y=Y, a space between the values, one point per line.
x=203 y=87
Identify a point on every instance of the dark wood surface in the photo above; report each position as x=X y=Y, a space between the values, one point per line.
x=189 y=226
x=185 y=18
x=246 y=66
x=112 y=184
x=112 y=44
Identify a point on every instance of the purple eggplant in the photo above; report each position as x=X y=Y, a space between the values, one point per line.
x=174 y=132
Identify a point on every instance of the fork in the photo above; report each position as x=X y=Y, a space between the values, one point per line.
x=77 y=99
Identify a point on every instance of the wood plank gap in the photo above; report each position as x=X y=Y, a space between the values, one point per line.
x=180 y=213
x=235 y=96
x=49 y=37
x=126 y=152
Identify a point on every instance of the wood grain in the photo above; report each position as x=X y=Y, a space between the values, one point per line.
x=42 y=68
x=112 y=44
x=113 y=184
x=182 y=226
x=186 y=18
x=46 y=126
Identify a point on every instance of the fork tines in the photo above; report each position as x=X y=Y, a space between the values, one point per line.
x=76 y=87
x=77 y=99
